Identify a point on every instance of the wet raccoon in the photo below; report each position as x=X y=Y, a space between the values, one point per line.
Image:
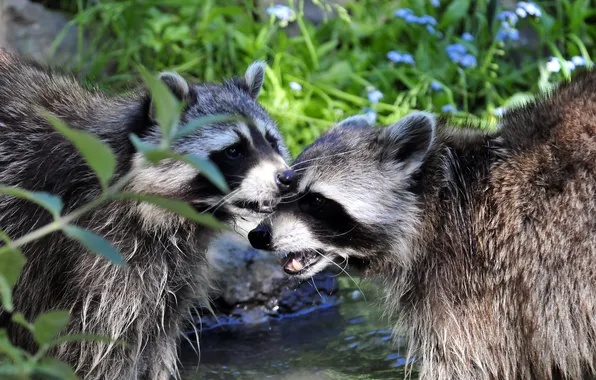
x=486 y=241
x=146 y=303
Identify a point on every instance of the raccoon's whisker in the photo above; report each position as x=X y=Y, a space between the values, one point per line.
x=340 y=234
x=324 y=157
x=315 y=286
x=226 y=198
x=342 y=269
x=294 y=200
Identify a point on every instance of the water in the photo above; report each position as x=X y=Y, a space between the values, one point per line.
x=349 y=340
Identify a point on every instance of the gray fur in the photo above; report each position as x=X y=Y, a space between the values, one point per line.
x=487 y=245
x=147 y=303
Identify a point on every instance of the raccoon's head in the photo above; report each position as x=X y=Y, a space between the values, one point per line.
x=356 y=197
x=250 y=154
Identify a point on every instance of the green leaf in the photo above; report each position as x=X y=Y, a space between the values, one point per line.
x=49 y=366
x=19 y=318
x=209 y=170
x=94 y=243
x=177 y=207
x=10 y=370
x=154 y=154
x=50 y=202
x=456 y=11
x=48 y=325
x=98 y=155
x=199 y=122
x=167 y=107
x=6 y=294
x=11 y=264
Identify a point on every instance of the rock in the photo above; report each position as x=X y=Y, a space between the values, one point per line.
x=251 y=287
x=30 y=29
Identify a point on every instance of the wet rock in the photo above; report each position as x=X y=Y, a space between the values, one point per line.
x=30 y=29
x=251 y=287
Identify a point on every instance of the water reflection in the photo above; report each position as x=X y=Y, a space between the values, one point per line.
x=349 y=340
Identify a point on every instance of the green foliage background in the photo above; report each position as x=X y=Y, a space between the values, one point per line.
x=337 y=60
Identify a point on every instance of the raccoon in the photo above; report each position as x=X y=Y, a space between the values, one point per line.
x=146 y=303
x=486 y=241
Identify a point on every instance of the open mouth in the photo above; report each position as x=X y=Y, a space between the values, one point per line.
x=296 y=263
x=266 y=207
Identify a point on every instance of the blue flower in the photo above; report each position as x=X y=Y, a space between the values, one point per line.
x=508 y=16
x=295 y=86
x=372 y=115
x=398 y=57
x=430 y=29
x=435 y=3
x=507 y=32
x=374 y=96
x=409 y=16
x=467 y=37
x=553 y=65
x=403 y=12
x=448 y=108
x=282 y=12
x=499 y=112
x=468 y=60
x=459 y=54
x=426 y=19
x=578 y=61
x=436 y=86
x=528 y=8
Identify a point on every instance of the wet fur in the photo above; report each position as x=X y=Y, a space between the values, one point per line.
x=487 y=248
x=145 y=304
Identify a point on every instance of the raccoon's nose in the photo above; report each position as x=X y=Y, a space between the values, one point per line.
x=260 y=237
x=286 y=180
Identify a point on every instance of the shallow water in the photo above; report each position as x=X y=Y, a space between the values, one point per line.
x=347 y=339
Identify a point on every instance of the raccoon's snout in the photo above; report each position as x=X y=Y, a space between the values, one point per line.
x=260 y=237
x=286 y=180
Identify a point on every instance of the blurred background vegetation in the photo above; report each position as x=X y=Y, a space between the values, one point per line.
x=383 y=57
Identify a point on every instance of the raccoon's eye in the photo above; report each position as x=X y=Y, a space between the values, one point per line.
x=313 y=202
x=233 y=152
x=272 y=142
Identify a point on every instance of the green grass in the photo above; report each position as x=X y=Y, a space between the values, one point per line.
x=338 y=60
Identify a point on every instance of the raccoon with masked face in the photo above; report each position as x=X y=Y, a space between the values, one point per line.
x=146 y=303
x=486 y=241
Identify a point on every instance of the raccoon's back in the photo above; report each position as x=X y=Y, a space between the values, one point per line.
x=33 y=155
x=564 y=119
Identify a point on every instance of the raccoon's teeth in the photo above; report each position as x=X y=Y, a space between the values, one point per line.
x=294 y=265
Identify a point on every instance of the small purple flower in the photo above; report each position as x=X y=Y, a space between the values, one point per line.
x=467 y=37
x=413 y=19
x=553 y=65
x=371 y=114
x=570 y=65
x=398 y=57
x=281 y=12
x=507 y=32
x=448 y=108
x=528 y=8
x=499 y=112
x=578 y=61
x=295 y=86
x=426 y=19
x=436 y=86
x=403 y=12
x=468 y=60
x=374 y=96
x=430 y=29
x=508 y=16
x=435 y=3
x=456 y=52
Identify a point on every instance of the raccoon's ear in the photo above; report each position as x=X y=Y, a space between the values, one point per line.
x=178 y=85
x=408 y=141
x=361 y=121
x=253 y=79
